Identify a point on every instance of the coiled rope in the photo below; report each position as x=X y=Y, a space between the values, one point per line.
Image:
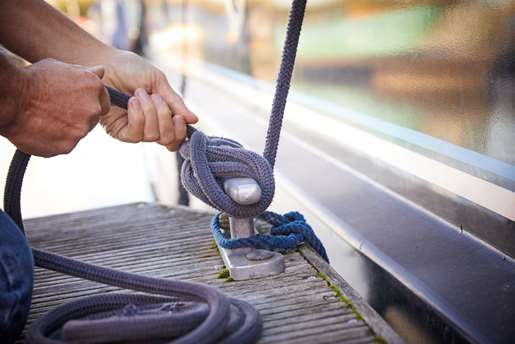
x=208 y=316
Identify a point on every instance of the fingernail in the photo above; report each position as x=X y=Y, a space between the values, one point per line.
x=134 y=102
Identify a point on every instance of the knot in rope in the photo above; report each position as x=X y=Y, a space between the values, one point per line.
x=288 y=232
x=208 y=161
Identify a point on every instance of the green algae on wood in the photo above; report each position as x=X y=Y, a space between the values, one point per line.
x=338 y=293
x=380 y=340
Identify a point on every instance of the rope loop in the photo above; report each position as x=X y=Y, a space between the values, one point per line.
x=209 y=160
x=288 y=232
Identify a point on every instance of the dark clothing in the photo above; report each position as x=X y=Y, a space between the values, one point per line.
x=16 y=279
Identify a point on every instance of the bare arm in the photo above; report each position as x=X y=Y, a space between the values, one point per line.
x=34 y=30
x=10 y=87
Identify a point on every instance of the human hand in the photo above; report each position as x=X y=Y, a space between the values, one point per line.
x=156 y=112
x=57 y=105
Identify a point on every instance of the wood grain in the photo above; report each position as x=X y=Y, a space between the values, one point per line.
x=297 y=306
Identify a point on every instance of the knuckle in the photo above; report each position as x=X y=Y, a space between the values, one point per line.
x=81 y=134
x=68 y=149
x=92 y=81
x=98 y=109
x=177 y=102
x=173 y=147
x=160 y=76
x=94 y=111
x=139 y=91
x=132 y=139
x=166 y=140
x=46 y=152
x=76 y=135
x=65 y=147
x=151 y=137
x=88 y=77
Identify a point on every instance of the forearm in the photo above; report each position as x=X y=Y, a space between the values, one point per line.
x=11 y=86
x=34 y=30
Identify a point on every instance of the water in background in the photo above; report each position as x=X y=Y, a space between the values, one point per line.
x=443 y=71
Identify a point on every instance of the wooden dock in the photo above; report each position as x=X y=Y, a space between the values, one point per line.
x=309 y=303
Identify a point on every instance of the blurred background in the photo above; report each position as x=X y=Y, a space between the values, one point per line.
x=415 y=97
x=433 y=76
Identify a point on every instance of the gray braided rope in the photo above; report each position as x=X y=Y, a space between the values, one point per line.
x=208 y=161
x=295 y=20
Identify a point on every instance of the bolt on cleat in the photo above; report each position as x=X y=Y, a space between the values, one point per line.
x=247 y=263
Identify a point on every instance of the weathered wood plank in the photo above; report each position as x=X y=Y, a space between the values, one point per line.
x=297 y=306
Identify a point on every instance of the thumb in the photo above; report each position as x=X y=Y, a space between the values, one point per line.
x=97 y=70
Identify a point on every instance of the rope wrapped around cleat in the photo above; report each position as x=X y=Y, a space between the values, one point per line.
x=210 y=160
x=288 y=232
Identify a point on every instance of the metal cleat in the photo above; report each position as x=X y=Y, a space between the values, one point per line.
x=247 y=263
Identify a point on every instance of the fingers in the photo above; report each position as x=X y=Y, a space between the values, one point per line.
x=164 y=115
x=175 y=101
x=151 y=126
x=180 y=133
x=92 y=77
x=135 y=122
x=105 y=101
x=172 y=128
x=150 y=119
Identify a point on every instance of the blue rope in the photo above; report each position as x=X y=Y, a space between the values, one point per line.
x=288 y=232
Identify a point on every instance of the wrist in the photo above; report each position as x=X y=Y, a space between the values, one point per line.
x=14 y=85
x=90 y=54
x=100 y=55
